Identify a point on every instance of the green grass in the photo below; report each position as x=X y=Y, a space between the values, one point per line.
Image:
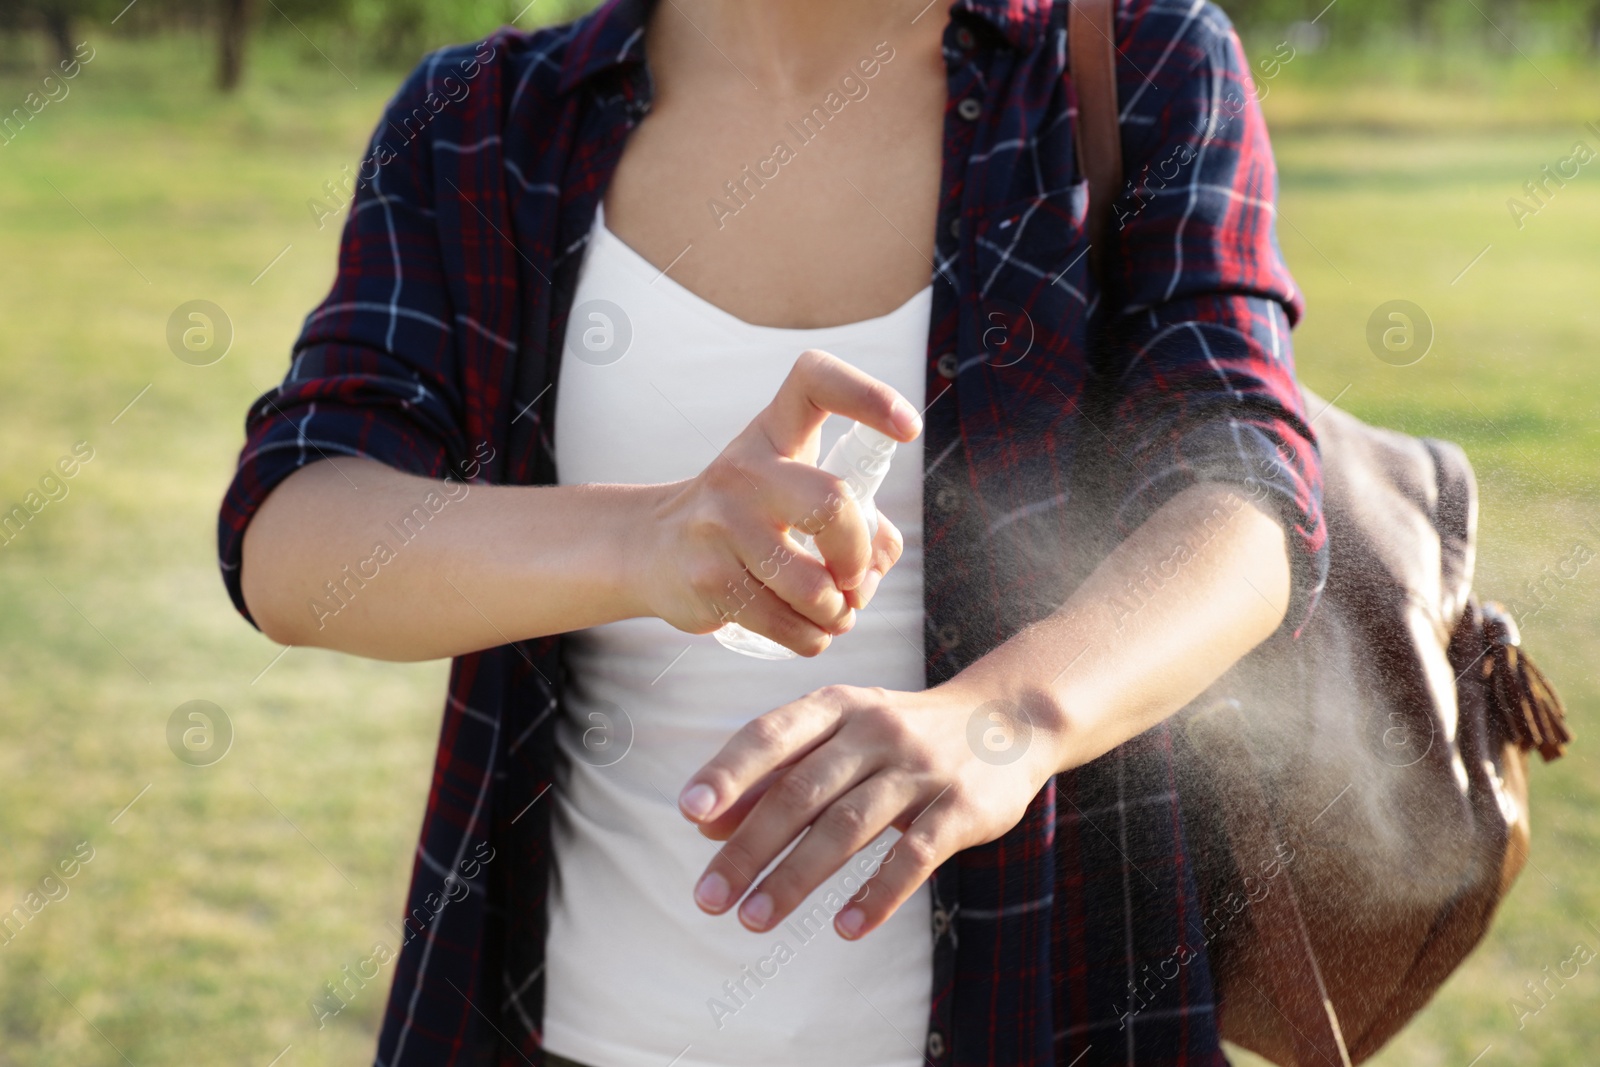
x=218 y=904
x=206 y=920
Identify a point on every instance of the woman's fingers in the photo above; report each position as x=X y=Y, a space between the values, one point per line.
x=809 y=499
x=913 y=859
x=759 y=747
x=840 y=532
x=841 y=830
x=798 y=579
x=783 y=813
x=723 y=826
x=806 y=500
x=819 y=384
x=760 y=610
x=887 y=548
x=813 y=502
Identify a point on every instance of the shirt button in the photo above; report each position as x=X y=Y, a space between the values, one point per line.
x=941 y=922
x=969 y=108
x=964 y=37
x=936 y=1044
x=955 y=227
x=947 y=366
x=946 y=499
x=949 y=637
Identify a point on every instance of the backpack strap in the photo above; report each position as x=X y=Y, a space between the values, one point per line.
x=1092 y=54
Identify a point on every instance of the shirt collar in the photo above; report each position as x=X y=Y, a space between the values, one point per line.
x=1023 y=23
x=613 y=35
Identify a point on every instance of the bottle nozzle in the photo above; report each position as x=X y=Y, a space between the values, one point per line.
x=877 y=443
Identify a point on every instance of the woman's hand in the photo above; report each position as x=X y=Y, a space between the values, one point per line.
x=956 y=766
x=946 y=767
x=718 y=546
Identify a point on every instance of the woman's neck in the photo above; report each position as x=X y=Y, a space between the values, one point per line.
x=788 y=47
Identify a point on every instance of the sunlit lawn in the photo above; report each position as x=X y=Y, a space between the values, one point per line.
x=217 y=905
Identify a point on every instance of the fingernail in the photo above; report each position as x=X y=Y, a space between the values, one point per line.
x=757 y=910
x=850 y=921
x=712 y=892
x=846 y=625
x=868 y=586
x=698 y=800
x=905 y=418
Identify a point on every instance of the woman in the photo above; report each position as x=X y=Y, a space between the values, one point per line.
x=678 y=246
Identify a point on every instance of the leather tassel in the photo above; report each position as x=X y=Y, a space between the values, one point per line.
x=1525 y=700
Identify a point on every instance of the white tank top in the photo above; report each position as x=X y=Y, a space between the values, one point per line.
x=654 y=382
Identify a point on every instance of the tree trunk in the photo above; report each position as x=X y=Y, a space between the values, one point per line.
x=235 y=31
x=1502 y=28
x=1416 y=15
x=58 y=25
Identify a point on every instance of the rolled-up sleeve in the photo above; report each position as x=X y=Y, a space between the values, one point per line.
x=375 y=370
x=1198 y=363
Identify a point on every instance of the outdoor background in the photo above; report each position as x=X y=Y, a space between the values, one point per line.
x=179 y=164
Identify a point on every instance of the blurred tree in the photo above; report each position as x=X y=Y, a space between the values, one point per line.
x=233 y=28
x=1416 y=16
x=395 y=33
x=55 y=17
x=400 y=31
x=58 y=24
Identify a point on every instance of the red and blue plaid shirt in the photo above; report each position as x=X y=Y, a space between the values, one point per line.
x=1076 y=938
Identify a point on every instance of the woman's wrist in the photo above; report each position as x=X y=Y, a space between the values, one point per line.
x=1015 y=713
x=632 y=547
x=579 y=555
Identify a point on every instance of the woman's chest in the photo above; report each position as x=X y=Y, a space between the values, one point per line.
x=802 y=211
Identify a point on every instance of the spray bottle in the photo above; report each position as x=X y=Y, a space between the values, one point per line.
x=861 y=458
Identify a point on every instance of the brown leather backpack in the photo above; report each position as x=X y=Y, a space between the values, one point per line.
x=1356 y=799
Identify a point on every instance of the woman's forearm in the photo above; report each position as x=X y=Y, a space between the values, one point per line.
x=353 y=555
x=1203 y=581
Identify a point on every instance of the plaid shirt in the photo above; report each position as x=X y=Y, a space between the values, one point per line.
x=1077 y=937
